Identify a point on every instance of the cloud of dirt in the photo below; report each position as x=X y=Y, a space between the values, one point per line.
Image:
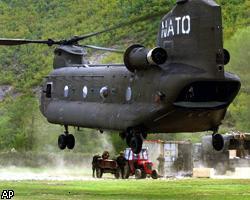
x=24 y=173
x=52 y=164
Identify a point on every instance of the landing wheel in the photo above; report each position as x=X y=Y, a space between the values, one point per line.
x=66 y=140
x=70 y=141
x=62 y=141
x=134 y=138
x=136 y=144
x=217 y=142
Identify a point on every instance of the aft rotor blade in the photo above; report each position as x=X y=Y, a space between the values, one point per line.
x=11 y=42
x=104 y=48
x=143 y=18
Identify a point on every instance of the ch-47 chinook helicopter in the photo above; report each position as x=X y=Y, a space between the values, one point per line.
x=178 y=86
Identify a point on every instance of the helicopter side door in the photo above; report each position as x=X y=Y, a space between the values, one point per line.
x=46 y=94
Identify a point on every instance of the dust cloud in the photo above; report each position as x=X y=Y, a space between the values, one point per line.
x=53 y=164
x=48 y=167
x=13 y=173
x=239 y=173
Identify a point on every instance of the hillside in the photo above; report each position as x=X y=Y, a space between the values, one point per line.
x=23 y=67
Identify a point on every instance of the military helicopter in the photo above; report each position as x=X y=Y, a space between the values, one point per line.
x=178 y=86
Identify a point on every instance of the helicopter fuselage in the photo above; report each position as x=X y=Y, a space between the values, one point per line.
x=167 y=99
x=180 y=85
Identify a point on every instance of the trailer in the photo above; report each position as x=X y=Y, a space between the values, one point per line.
x=107 y=166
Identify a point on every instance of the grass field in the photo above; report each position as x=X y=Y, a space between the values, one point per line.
x=200 y=189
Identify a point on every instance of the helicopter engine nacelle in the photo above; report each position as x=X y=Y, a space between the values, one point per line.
x=137 y=57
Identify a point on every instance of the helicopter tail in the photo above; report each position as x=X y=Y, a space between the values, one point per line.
x=191 y=33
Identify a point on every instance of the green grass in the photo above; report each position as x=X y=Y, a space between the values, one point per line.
x=200 y=189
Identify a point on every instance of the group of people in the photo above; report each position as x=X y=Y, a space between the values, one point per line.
x=121 y=162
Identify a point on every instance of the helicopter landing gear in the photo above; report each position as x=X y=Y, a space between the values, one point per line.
x=66 y=140
x=134 y=139
x=62 y=141
x=136 y=144
x=217 y=140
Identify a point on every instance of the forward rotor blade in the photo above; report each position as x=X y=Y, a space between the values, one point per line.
x=74 y=40
x=143 y=18
x=104 y=48
x=11 y=42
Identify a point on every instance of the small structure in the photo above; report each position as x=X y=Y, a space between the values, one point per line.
x=182 y=158
x=173 y=158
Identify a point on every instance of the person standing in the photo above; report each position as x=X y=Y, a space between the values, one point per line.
x=105 y=155
x=121 y=161
x=95 y=164
x=161 y=161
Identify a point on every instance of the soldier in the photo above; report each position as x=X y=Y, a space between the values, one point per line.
x=179 y=163
x=95 y=163
x=161 y=164
x=241 y=146
x=121 y=161
x=105 y=155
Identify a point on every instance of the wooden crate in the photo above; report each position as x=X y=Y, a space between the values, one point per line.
x=203 y=172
